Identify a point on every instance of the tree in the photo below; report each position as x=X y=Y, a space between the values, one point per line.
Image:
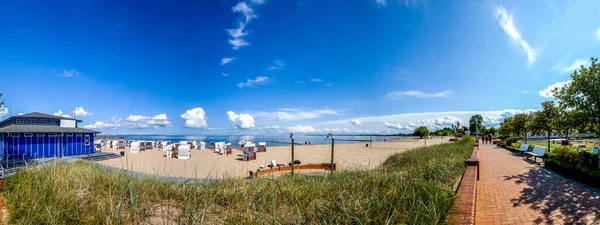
x=421 y=131
x=492 y=131
x=569 y=121
x=545 y=120
x=520 y=124
x=473 y=125
x=582 y=93
x=506 y=128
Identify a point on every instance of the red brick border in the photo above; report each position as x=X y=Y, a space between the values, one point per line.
x=463 y=209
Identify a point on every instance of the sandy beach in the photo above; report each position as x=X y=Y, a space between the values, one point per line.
x=207 y=164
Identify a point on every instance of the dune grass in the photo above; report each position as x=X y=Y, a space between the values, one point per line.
x=414 y=187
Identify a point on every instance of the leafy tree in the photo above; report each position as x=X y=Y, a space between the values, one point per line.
x=421 y=131
x=545 y=120
x=473 y=125
x=583 y=93
x=506 y=128
x=520 y=124
x=569 y=121
x=492 y=131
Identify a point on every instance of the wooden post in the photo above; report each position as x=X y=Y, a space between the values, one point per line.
x=332 y=144
x=292 y=137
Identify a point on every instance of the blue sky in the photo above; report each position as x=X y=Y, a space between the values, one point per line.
x=229 y=66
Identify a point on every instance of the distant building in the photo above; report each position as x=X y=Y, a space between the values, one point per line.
x=38 y=135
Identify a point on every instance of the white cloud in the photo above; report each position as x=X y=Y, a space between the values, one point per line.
x=238 y=43
x=397 y=126
x=225 y=74
x=258 y=1
x=79 y=111
x=133 y=121
x=61 y=114
x=195 y=118
x=329 y=85
x=418 y=94
x=547 y=93
x=3 y=112
x=507 y=23
x=524 y=92
x=238 y=32
x=407 y=122
x=577 y=64
x=226 y=60
x=278 y=65
x=597 y=34
x=69 y=73
x=290 y=114
x=241 y=121
x=381 y=2
x=251 y=83
x=20 y=114
x=301 y=129
x=355 y=122
x=243 y=8
x=316 y=80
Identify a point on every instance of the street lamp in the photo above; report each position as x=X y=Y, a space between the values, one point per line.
x=332 y=144
x=292 y=137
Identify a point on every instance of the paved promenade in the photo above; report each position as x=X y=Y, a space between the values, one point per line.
x=512 y=190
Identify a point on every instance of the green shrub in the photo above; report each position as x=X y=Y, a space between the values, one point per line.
x=510 y=141
x=582 y=166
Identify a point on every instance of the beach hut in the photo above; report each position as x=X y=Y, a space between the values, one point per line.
x=142 y=145
x=202 y=145
x=121 y=144
x=228 y=149
x=169 y=150
x=135 y=147
x=211 y=145
x=220 y=147
x=262 y=147
x=149 y=145
x=249 y=152
x=183 y=151
x=128 y=143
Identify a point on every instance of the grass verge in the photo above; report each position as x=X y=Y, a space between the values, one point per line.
x=414 y=187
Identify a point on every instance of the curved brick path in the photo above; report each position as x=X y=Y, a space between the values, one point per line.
x=512 y=190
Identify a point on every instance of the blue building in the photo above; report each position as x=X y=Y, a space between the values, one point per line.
x=39 y=135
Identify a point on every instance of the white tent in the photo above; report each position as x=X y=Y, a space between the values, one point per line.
x=135 y=147
x=249 y=151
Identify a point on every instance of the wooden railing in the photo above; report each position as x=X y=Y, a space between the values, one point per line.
x=323 y=166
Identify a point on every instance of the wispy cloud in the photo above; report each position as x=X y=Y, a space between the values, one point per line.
x=69 y=73
x=417 y=94
x=238 y=43
x=507 y=23
x=251 y=83
x=290 y=114
x=237 y=34
x=524 y=92
x=577 y=64
x=316 y=80
x=80 y=111
x=133 y=121
x=278 y=65
x=381 y=2
x=547 y=93
x=226 y=60
x=407 y=3
x=597 y=34
x=225 y=74
x=3 y=111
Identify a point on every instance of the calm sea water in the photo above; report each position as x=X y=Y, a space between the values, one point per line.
x=272 y=140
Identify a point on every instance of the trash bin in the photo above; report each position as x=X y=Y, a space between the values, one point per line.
x=367 y=145
x=122 y=153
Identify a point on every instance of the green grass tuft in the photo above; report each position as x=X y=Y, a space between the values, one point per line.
x=414 y=187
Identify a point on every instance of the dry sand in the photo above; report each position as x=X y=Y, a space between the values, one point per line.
x=207 y=164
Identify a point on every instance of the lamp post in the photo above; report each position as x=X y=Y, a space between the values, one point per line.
x=292 y=137
x=332 y=144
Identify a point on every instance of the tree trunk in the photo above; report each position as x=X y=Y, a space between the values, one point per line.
x=548 y=141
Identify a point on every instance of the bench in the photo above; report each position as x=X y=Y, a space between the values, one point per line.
x=538 y=151
x=523 y=148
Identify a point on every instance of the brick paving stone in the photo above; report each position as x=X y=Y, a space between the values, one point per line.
x=513 y=190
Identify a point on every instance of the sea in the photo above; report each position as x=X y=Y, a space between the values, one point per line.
x=271 y=140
